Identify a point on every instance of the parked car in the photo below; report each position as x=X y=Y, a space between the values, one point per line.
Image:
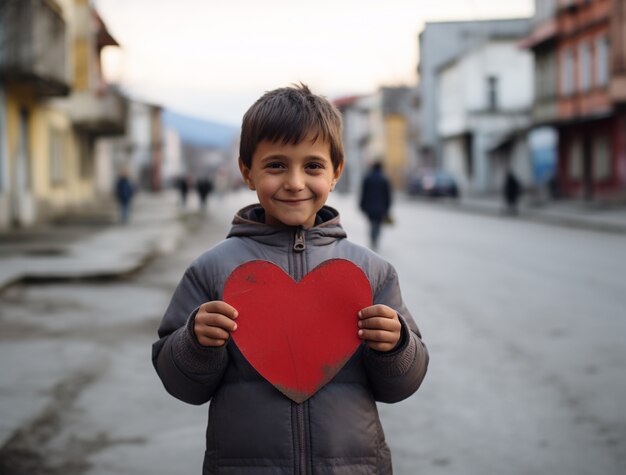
x=432 y=183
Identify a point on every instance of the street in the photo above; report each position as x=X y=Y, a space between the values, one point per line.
x=524 y=322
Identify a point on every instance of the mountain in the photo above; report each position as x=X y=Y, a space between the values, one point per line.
x=199 y=132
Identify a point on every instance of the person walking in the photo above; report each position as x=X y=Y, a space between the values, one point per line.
x=204 y=187
x=182 y=183
x=511 y=192
x=124 y=191
x=375 y=201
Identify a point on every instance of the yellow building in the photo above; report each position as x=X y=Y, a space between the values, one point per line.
x=396 y=109
x=53 y=107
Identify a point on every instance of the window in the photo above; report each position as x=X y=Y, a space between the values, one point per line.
x=57 y=156
x=575 y=165
x=23 y=165
x=601 y=158
x=85 y=147
x=567 y=72
x=545 y=85
x=584 y=66
x=602 y=61
x=492 y=92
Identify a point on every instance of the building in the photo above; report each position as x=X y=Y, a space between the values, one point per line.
x=397 y=105
x=364 y=137
x=484 y=97
x=54 y=106
x=355 y=136
x=580 y=71
x=33 y=68
x=376 y=128
x=440 y=43
x=138 y=153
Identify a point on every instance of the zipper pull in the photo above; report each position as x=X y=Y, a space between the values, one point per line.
x=299 y=245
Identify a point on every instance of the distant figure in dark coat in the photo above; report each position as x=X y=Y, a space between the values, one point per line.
x=204 y=187
x=375 y=200
x=182 y=183
x=511 y=191
x=124 y=191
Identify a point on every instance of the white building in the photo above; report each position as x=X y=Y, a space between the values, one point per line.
x=483 y=101
x=439 y=43
x=139 y=152
x=363 y=138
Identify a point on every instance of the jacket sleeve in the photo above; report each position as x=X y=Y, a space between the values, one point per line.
x=188 y=370
x=397 y=374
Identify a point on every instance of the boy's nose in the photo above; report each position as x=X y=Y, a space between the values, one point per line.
x=295 y=181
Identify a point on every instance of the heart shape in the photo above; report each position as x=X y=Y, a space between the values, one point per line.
x=298 y=335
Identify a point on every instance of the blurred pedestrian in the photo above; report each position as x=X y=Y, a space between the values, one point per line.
x=124 y=191
x=182 y=183
x=204 y=187
x=511 y=192
x=375 y=201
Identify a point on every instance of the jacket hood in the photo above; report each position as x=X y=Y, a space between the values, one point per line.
x=250 y=222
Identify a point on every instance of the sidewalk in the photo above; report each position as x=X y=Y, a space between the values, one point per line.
x=569 y=213
x=92 y=250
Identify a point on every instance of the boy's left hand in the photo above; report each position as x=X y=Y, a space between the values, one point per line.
x=379 y=327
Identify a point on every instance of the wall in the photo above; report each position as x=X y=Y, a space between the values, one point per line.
x=441 y=42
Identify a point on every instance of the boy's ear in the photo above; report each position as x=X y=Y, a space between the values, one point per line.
x=338 y=171
x=245 y=174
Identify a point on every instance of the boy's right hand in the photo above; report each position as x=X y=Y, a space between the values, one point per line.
x=214 y=323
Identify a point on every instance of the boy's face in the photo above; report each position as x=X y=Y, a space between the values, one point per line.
x=292 y=182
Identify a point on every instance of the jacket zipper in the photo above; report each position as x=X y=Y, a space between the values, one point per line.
x=299 y=410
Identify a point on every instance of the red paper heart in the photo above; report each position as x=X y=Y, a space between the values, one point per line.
x=298 y=335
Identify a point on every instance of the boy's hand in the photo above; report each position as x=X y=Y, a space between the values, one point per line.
x=214 y=323
x=379 y=327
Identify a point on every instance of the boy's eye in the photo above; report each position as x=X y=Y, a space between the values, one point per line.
x=315 y=166
x=274 y=165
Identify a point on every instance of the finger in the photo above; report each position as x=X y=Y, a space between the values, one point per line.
x=204 y=341
x=380 y=336
x=216 y=320
x=219 y=306
x=377 y=310
x=380 y=323
x=213 y=332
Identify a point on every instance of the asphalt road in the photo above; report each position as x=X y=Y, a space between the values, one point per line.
x=525 y=324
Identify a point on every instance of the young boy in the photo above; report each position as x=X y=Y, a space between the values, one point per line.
x=291 y=153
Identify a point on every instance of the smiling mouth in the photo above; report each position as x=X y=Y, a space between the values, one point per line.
x=294 y=202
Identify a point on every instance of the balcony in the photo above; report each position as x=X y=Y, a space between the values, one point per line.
x=618 y=88
x=33 y=46
x=98 y=114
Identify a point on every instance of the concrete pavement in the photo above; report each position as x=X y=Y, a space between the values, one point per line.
x=157 y=224
x=90 y=250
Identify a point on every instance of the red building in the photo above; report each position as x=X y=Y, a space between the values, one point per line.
x=590 y=112
x=580 y=66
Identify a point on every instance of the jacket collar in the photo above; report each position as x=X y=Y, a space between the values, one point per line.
x=250 y=222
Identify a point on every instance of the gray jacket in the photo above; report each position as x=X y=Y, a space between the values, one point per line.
x=253 y=428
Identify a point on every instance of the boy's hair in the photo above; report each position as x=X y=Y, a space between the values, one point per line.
x=289 y=114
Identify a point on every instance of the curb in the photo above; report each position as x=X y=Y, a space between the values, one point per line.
x=548 y=218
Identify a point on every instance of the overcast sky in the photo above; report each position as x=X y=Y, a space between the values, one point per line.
x=213 y=58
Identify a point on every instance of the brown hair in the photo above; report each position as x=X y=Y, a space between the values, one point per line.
x=289 y=114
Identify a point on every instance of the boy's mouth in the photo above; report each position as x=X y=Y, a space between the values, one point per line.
x=294 y=201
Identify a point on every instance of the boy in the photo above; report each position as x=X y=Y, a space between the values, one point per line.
x=291 y=153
